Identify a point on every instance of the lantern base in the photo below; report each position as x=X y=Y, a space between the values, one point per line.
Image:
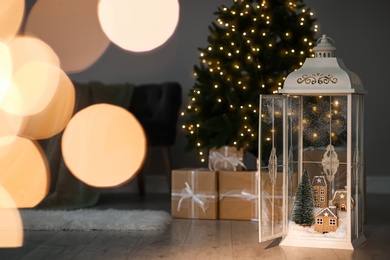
x=322 y=243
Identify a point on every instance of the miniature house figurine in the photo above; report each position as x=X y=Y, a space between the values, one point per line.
x=314 y=125
x=326 y=220
x=340 y=200
x=320 y=192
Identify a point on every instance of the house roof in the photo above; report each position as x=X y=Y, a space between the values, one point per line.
x=340 y=195
x=319 y=181
x=327 y=212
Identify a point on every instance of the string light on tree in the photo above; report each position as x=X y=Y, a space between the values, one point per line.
x=252 y=47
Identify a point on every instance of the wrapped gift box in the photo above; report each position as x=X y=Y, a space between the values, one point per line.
x=238 y=195
x=194 y=194
x=226 y=158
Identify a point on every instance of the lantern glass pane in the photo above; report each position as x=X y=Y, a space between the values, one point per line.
x=357 y=167
x=294 y=111
x=317 y=144
x=272 y=178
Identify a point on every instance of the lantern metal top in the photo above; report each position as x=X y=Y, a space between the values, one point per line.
x=323 y=74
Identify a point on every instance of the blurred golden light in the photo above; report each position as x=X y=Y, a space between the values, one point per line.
x=10 y=126
x=71 y=28
x=24 y=171
x=11 y=228
x=5 y=69
x=32 y=88
x=104 y=145
x=25 y=49
x=11 y=16
x=55 y=116
x=139 y=26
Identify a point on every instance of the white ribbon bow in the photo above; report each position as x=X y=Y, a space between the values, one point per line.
x=232 y=159
x=188 y=193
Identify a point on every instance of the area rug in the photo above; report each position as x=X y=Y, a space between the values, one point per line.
x=95 y=219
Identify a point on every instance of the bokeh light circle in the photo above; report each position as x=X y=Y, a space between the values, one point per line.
x=32 y=88
x=11 y=16
x=11 y=227
x=55 y=116
x=136 y=25
x=24 y=171
x=5 y=69
x=104 y=145
x=71 y=28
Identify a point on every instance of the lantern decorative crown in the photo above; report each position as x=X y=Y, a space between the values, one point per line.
x=311 y=175
x=323 y=74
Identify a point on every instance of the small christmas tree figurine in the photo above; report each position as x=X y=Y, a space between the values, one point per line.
x=253 y=46
x=304 y=207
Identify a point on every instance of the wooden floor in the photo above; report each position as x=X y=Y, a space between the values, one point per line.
x=193 y=239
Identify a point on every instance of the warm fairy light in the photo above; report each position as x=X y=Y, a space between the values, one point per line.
x=233 y=48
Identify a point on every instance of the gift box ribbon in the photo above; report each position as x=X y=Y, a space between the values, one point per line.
x=232 y=159
x=242 y=194
x=199 y=199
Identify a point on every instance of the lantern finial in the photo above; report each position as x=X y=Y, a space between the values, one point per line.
x=324 y=48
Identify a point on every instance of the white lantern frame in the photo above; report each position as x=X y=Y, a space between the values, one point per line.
x=282 y=156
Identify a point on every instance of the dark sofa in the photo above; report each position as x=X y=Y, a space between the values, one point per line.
x=155 y=105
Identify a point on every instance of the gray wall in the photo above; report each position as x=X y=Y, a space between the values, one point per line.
x=358 y=28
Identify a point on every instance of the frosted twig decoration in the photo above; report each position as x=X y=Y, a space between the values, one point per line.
x=330 y=163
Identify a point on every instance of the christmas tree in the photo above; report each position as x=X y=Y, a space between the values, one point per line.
x=253 y=46
x=304 y=207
